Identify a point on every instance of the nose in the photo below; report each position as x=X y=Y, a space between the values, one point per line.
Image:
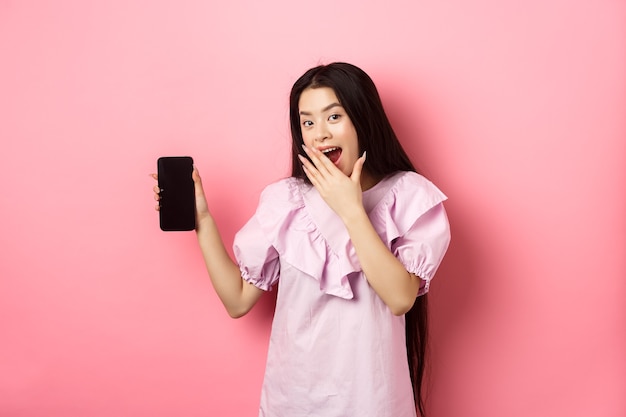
x=321 y=133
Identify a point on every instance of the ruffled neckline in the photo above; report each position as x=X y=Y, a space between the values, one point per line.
x=318 y=243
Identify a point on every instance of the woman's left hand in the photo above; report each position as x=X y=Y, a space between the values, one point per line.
x=342 y=193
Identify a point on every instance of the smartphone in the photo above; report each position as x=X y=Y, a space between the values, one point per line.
x=177 y=206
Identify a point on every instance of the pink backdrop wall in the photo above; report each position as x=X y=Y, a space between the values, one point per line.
x=515 y=109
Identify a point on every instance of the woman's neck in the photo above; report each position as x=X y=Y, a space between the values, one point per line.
x=368 y=180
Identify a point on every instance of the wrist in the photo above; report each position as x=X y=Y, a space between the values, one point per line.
x=204 y=223
x=355 y=217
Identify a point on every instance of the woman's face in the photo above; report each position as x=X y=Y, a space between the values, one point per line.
x=326 y=126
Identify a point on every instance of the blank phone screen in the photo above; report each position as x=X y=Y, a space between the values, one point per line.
x=177 y=211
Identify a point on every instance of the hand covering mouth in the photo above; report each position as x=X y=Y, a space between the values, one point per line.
x=332 y=153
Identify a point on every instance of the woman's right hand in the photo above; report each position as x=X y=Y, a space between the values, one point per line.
x=237 y=296
x=202 y=209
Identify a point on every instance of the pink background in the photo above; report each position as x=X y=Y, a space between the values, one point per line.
x=515 y=109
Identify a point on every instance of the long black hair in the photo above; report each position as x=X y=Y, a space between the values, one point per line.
x=360 y=99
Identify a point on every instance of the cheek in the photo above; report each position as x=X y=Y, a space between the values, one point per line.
x=307 y=139
x=347 y=131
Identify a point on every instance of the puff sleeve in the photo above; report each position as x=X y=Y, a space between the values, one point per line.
x=257 y=258
x=422 y=247
x=413 y=223
x=269 y=235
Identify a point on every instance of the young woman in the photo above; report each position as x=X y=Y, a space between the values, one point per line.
x=352 y=240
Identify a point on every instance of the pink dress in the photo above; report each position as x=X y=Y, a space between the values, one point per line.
x=335 y=348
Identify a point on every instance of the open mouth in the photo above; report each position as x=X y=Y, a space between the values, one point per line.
x=333 y=154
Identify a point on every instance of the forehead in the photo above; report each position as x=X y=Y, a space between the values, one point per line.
x=316 y=99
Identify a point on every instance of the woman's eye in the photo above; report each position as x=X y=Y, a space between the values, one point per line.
x=307 y=123
x=334 y=117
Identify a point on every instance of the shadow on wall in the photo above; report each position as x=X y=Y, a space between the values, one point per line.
x=456 y=284
x=454 y=298
x=453 y=305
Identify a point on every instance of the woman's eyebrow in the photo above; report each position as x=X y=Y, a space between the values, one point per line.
x=325 y=109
